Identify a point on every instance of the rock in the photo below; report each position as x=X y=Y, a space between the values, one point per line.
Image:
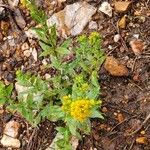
x=120 y=117
x=2 y=58
x=122 y=22
x=27 y=53
x=13 y=3
x=73 y=18
x=19 y=19
x=34 y=54
x=142 y=140
x=4 y=27
x=60 y=1
x=106 y=9
x=47 y=76
x=31 y=34
x=93 y=25
x=74 y=142
x=9 y=76
x=114 y=67
x=44 y=62
x=117 y=38
x=11 y=40
x=1 y=36
x=121 y=6
x=8 y=141
x=136 y=36
x=25 y=46
x=12 y=128
x=3 y=12
x=137 y=46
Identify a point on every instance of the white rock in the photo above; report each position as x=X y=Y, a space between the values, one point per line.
x=11 y=42
x=106 y=9
x=74 y=142
x=47 y=76
x=93 y=25
x=110 y=47
x=25 y=46
x=12 y=128
x=13 y=3
x=136 y=36
x=31 y=34
x=117 y=38
x=44 y=62
x=34 y=54
x=8 y=141
x=27 y=53
x=73 y=18
x=10 y=37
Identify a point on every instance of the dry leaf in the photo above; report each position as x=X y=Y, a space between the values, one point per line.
x=141 y=140
x=122 y=22
x=122 y=6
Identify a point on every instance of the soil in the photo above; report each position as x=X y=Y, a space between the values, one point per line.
x=126 y=100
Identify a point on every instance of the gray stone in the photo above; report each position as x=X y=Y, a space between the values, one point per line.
x=73 y=18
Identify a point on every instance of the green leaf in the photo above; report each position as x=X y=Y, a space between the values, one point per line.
x=44 y=46
x=41 y=34
x=94 y=79
x=85 y=126
x=53 y=36
x=66 y=43
x=3 y=101
x=9 y=89
x=97 y=114
x=55 y=62
x=62 y=51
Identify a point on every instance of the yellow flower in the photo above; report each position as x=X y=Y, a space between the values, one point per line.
x=81 y=109
x=94 y=36
x=84 y=87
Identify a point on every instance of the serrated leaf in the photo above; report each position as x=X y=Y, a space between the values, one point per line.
x=62 y=51
x=41 y=34
x=97 y=114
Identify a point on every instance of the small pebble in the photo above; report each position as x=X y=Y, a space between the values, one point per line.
x=116 y=38
x=93 y=25
x=27 y=53
x=25 y=46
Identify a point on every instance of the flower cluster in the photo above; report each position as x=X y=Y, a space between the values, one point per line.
x=79 y=109
x=94 y=38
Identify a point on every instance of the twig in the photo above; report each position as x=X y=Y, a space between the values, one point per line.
x=144 y=122
x=133 y=66
x=136 y=85
x=130 y=148
x=122 y=122
x=31 y=138
x=112 y=50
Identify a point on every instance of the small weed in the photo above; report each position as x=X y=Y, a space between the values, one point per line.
x=72 y=94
